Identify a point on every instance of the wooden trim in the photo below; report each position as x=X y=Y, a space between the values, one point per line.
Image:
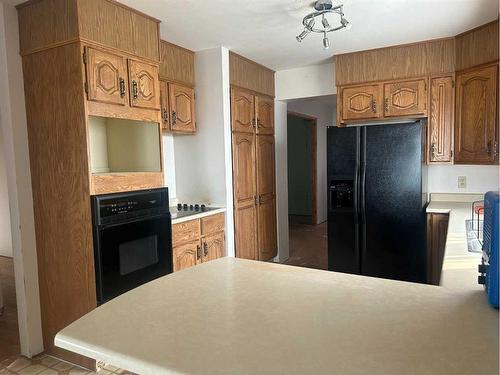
x=121 y=182
x=314 y=162
x=176 y=82
x=251 y=61
x=123 y=112
x=484 y=25
x=175 y=45
x=480 y=66
x=253 y=92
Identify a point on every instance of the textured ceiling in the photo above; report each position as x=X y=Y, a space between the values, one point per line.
x=265 y=30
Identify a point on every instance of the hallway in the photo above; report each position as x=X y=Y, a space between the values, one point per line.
x=308 y=246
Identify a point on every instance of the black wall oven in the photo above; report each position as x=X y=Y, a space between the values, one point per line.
x=132 y=240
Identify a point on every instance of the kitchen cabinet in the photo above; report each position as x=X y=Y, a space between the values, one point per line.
x=361 y=102
x=406 y=98
x=253 y=176
x=476 y=116
x=198 y=240
x=113 y=79
x=251 y=113
x=437 y=230
x=178 y=108
x=440 y=121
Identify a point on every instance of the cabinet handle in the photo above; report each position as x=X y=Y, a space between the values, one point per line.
x=492 y=148
x=205 y=248
x=174 y=118
x=433 y=151
x=254 y=123
x=256 y=200
x=495 y=149
x=198 y=252
x=386 y=104
x=165 y=115
x=135 y=91
x=122 y=87
x=374 y=106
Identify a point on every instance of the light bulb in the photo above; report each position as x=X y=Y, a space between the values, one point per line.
x=325 y=23
x=345 y=23
x=302 y=35
x=310 y=23
x=326 y=42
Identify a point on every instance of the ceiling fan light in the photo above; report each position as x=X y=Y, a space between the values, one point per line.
x=302 y=35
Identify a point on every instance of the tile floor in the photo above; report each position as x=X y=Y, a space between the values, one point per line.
x=47 y=365
x=308 y=246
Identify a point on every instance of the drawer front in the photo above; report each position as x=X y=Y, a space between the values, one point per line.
x=187 y=231
x=212 y=224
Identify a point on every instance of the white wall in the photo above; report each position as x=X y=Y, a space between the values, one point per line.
x=324 y=116
x=169 y=165
x=15 y=141
x=309 y=81
x=5 y=233
x=203 y=171
x=280 y=133
x=443 y=178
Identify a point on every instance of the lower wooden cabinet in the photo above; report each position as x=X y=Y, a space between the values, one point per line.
x=437 y=230
x=476 y=116
x=197 y=241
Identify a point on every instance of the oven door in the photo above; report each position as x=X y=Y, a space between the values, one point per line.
x=130 y=254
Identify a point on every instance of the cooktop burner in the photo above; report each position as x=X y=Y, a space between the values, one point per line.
x=183 y=210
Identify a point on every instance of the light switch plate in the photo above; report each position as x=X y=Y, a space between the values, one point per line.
x=462 y=182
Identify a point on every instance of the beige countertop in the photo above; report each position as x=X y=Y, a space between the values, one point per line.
x=234 y=316
x=176 y=220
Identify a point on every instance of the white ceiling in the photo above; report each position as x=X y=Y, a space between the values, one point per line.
x=265 y=30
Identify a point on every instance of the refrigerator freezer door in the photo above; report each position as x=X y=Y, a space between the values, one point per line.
x=343 y=197
x=393 y=220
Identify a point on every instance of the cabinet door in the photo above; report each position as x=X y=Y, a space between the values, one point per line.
x=266 y=210
x=144 y=85
x=361 y=102
x=186 y=255
x=476 y=124
x=437 y=230
x=265 y=114
x=106 y=77
x=165 y=109
x=182 y=115
x=242 y=111
x=408 y=98
x=214 y=247
x=441 y=114
x=245 y=195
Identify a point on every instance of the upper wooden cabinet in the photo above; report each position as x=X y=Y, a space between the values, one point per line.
x=361 y=102
x=407 y=98
x=144 y=85
x=105 y=23
x=440 y=122
x=242 y=111
x=265 y=114
x=114 y=79
x=182 y=112
x=177 y=108
x=476 y=122
x=106 y=77
x=249 y=75
x=176 y=64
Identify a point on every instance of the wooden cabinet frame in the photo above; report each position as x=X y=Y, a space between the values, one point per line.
x=173 y=120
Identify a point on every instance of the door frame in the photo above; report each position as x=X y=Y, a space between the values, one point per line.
x=314 y=162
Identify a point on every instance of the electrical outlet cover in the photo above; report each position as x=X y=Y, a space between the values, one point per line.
x=462 y=182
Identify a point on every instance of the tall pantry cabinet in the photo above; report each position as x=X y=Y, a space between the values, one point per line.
x=254 y=187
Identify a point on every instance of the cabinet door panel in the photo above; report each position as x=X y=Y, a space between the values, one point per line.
x=407 y=98
x=242 y=111
x=437 y=230
x=476 y=126
x=266 y=211
x=106 y=77
x=245 y=231
x=144 y=85
x=214 y=247
x=265 y=115
x=182 y=112
x=186 y=255
x=165 y=111
x=441 y=115
x=362 y=102
x=244 y=185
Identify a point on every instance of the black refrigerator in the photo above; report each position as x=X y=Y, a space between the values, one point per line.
x=376 y=201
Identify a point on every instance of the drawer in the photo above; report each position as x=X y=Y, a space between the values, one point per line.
x=212 y=224
x=186 y=231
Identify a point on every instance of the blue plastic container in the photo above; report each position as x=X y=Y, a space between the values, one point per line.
x=491 y=245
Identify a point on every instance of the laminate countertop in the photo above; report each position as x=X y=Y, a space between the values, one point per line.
x=235 y=316
x=195 y=215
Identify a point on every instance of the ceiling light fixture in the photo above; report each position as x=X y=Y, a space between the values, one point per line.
x=322 y=8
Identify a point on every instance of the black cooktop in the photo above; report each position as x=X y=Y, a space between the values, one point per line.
x=183 y=210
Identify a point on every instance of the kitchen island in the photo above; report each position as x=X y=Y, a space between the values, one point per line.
x=234 y=316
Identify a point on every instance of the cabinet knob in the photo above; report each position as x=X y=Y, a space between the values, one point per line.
x=122 y=87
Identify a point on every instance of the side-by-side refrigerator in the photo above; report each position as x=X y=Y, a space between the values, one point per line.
x=376 y=199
